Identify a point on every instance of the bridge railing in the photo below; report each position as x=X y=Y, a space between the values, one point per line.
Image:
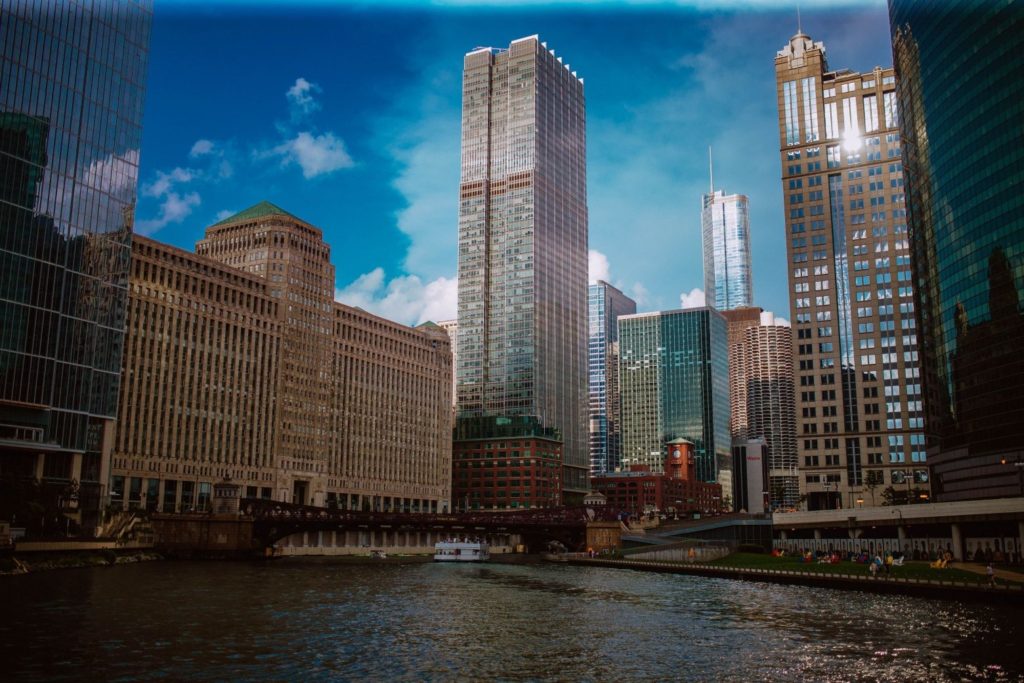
x=261 y=509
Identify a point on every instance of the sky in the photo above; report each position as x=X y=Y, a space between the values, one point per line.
x=348 y=116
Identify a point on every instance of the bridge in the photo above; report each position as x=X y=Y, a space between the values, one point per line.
x=256 y=524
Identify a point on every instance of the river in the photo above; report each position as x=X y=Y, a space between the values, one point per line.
x=321 y=620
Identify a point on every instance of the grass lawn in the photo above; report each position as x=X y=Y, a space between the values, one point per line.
x=910 y=570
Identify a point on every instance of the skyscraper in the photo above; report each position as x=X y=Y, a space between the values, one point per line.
x=523 y=247
x=606 y=305
x=725 y=230
x=72 y=80
x=861 y=419
x=673 y=373
x=762 y=396
x=961 y=84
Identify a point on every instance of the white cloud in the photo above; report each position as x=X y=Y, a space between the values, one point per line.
x=165 y=181
x=597 y=266
x=769 y=318
x=200 y=148
x=315 y=154
x=422 y=134
x=405 y=299
x=300 y=98
x=692 y=299
x=174 y=209
x=221 y=215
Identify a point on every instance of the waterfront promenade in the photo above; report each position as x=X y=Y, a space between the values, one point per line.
x=1012 y=593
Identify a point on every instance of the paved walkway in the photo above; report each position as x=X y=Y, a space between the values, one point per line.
x=1001 y=572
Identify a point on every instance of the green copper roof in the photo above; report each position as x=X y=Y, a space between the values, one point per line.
x=258 y=211
x=430 y=324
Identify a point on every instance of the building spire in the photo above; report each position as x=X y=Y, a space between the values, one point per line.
x=711 y=171
x=799 y=25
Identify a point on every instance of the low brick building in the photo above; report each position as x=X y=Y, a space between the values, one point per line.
x=677 y=489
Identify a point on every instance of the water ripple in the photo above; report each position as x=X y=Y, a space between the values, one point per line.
x=320 y=621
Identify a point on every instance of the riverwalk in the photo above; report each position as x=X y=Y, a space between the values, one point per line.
x=937 y=588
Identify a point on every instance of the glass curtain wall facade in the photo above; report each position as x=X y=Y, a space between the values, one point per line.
x=72 y=80
x=674 y=379
x=522 y=325
x=860 y=414
x=606 y=305
x=964 y=148
x=725 y=227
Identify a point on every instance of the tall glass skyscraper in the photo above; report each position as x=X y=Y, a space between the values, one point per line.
x=674 y=379
x=72 y=79
x=606 y=305
x=725 y=228
x=522 y=325
x=961 y=92
x=859 y=409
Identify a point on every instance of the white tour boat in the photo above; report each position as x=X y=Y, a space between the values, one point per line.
x=454 y=550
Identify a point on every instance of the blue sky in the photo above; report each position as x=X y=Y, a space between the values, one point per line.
x=347 y=115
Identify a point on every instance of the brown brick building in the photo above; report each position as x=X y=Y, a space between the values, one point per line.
x=860 y=411
x=677 y=488
x=238 y=363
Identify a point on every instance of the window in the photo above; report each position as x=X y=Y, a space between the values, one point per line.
x=792 y=115
x=870 y=113
x=831 y=121
x=850 y=125
x=810 y=110
x=892 y=118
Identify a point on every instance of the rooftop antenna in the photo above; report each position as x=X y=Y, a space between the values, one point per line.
x=711 y=170
x=799 y=26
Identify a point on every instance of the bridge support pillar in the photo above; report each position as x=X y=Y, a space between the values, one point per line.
x=855 y=533
x=782 y=535
x=817 y=534
x=1020 y=541
x=958 y=542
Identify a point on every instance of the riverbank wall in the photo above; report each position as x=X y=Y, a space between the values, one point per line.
x=19 y=563
x=950 y=590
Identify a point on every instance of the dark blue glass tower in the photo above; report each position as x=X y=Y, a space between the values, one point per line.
x=71 y=89
x=961 y=90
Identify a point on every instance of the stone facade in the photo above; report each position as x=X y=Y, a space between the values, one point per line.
x=239 y=364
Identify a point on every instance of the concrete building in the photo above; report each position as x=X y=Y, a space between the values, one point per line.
x=966 y=218
x=860 y=407
x=451 y=327
x=606 y=305
x=522 y=321
x=209 y=392
x=762 y=397
x=725 y=230
x=72 y=81
x=673 y=374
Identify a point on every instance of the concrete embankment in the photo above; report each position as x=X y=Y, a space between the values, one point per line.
x=1006 y=594
x=29 y=563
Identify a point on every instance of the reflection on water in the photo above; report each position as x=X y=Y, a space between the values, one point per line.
x=314 y=620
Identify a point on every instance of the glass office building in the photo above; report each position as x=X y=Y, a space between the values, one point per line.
x=522 y=325
x=961 y=92
x=725 y=228
x=606 y=305
x=72 y=78
x=674 y=379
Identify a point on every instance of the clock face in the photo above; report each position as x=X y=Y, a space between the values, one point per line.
x=675 y=453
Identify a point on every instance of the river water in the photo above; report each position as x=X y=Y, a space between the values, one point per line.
x=323 y=620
